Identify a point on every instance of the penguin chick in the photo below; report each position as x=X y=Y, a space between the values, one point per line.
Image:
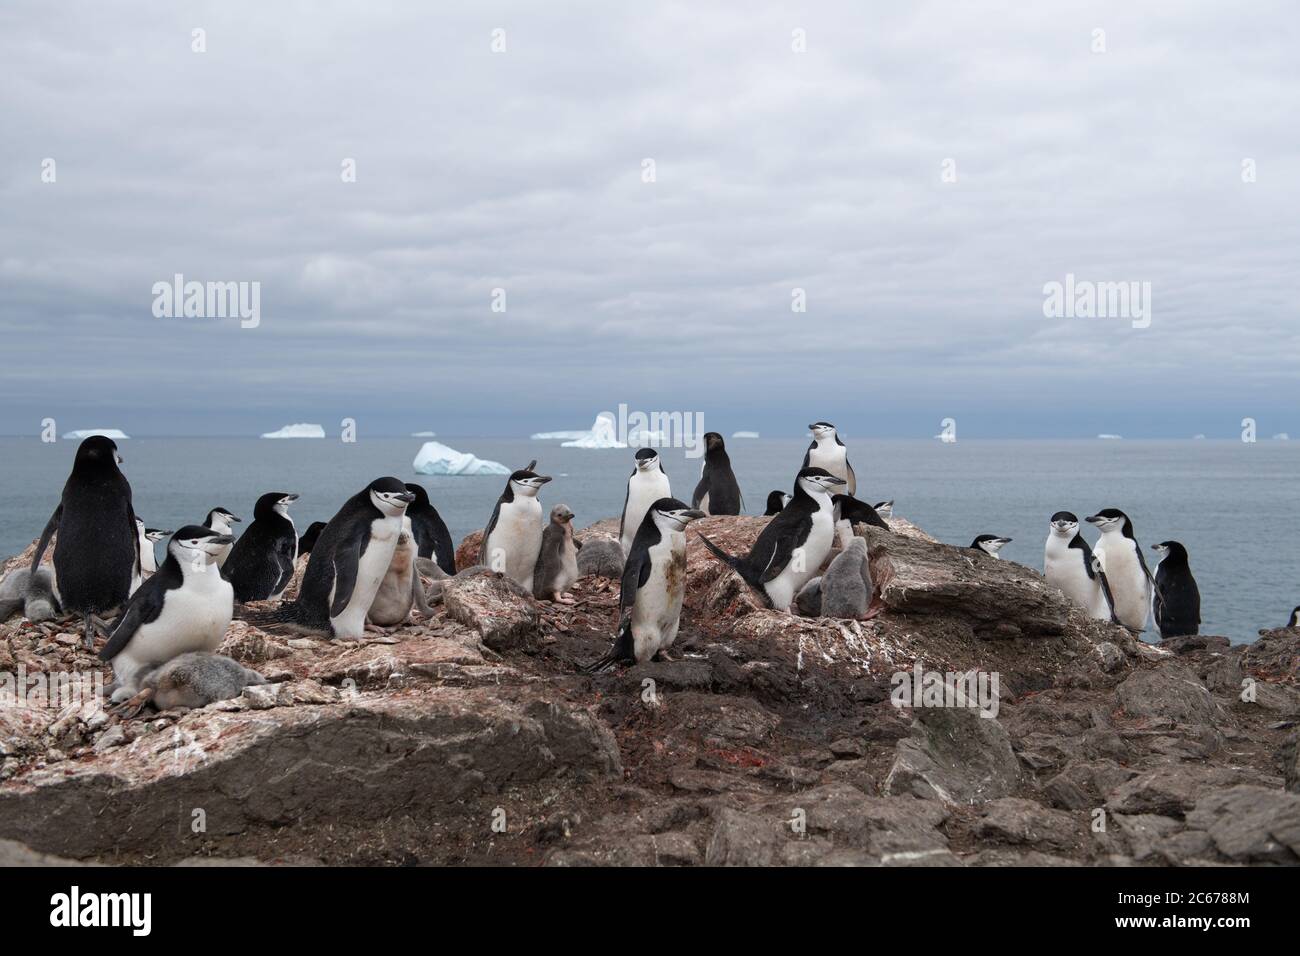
x=557 y=560
x=33 y=594
x=846 y=585
x=196 y=679
x=809 y=599
x=601 y=555
x=401 y=589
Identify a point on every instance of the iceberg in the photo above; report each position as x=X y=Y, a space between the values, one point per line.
x=81 y=433
x=423 y=434
x=603 y=434
x=300 y=430
x=1281 y=436
x=744 y=434
x=1109 y=437
x=435 y=458
x=551 y=436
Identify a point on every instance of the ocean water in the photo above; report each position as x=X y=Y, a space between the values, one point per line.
x=1235 y=506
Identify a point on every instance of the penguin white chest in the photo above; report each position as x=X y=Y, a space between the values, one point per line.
x=1063 y=567
x=831 y=456
x=194 y=617
x=657 y=612
x=642 y=492
x=1128 y=582
x=371 y=569
x=516 y=540
x=806 y=561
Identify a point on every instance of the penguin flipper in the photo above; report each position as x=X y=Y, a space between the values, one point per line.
x=345 y=572
x=700 y=491
x=285 y=553
x=782 y=545
x=808 y=454
x=853 y=479
x=487 y=533
x=621 y=653
x=635 y=574
x=50 y=527
x=144 y=608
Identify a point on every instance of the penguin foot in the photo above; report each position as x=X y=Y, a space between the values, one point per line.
x=563 y=599
x=130 y=708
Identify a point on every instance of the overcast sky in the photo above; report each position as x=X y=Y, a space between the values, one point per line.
x=774 y=170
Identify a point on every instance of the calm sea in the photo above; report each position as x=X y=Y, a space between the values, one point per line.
x=1235 y=506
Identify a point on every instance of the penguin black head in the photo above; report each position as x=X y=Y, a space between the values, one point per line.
x=1065 y=524
x=421 y=499
x=390 y=495
x=647 y=459
x=673 y=515
x=713 y=441
x=815 y=481
x=527 y=482
x=308 y=540
x=884 y=508
x=990 y=544
x=561 y=514
x=1111 y=519
x=1171 y=551
x=155 y=534
x=195 y=545
x=1295 y=618
x=221 y=514
x=776 y=502
x=97 y=451
x=273 y=502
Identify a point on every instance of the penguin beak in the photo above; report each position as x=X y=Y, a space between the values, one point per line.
x=837 y=481
x=1093 y=519
x=407 y=496
x=540 y=480
x=233 y=518
x=119 y=458
x=288 y=498
x=694 y=514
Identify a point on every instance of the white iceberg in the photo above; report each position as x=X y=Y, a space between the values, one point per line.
x=603 y=434
x=435 y=458
x=81 y=433
x=1109 y=437
x=299 y=430
x=744 y=434
x=1281 y=436
x=1198 y=438
x=552 y=436
x=423 y=434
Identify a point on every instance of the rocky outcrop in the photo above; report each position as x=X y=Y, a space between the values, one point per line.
x=769 y=738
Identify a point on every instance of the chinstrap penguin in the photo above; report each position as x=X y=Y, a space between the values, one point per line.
x=654 y=583
x=849 y=511
x=828 y=451
x=1105 y=607
x=846 y=585
x=718 y=492
x=97 y=551
x=307 y=540
x=557 y=560
x=401 y=589
x=776 y=501
x=222 y=521
x=885 y=508
x=347 y=565
x=1126 y=567
x=513 y=536
x=1295 y=618
x=261 y=562
x=1177 y=598
x=148 y=538
x=795 y=543
x=1067 y=564
x=990 y=544
x=186 y=606
x=432 y=539
x=646 y=485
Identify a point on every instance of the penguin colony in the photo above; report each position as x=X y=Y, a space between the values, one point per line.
x=363 y=568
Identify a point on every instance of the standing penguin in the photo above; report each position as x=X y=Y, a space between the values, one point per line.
x=718 y=492
x=261 y=562
x=97 y=552
x=646 y=485
x=222 y=522
x=776 y=500
x=828 y=451
x=185 y=606
x=307 y=540
x=557 y=561
x=1104 y=608
x=513 y=536
x=1177 y=598
x=990 y=544
x=148 y=538
x=1126 y=567
x=347 y=565
x=654 y=583
x=1295 y=618
x=791 y=549
x=846 y=585
x=432 y=539
x=1067 y=563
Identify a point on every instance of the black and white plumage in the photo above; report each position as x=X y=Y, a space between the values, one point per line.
x=261 y=562
x=513 y=536
x=97 y=552
x=990 y=544
x=646 y=485
x=307 y=540
x=222 y=521
x=828 y=451
x=1105 y=610
x=185 y=606
x=1295 y=618
x=776 y=501
x=718 y=492
x=1127 y=575
x=347 y=565
x=432 y=539
x=1177 y=598
x=653 y=586
x=795 y=543
x=885 y=508
x=1067 y=564
x=849 y=511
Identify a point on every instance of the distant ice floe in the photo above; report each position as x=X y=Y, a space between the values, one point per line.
x=299 y=430
x=603 y=434
x=1281 y=436
x=554 y=436
x=1198 y=438
x=1110 y=437
x=81 y=433
x=423 y=434
x=435 y=458
x=744 y=434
